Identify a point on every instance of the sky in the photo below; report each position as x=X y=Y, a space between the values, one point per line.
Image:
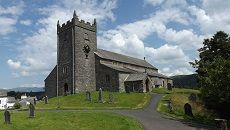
x=166 y=32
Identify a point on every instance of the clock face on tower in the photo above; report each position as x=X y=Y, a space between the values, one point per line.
x=86 y=50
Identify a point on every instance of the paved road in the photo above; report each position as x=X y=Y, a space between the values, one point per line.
x=152 y=120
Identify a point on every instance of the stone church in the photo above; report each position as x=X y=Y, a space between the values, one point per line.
x=81 y=66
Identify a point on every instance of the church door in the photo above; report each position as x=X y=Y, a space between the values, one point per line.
x=66 y=89
x=147 y=85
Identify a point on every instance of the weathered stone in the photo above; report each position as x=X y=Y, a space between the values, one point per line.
x=88 y=96
x=7 y=117
x=169 y=86
x=100 y=100
x=192 y=97
x=111 y=98
x=31 y=110
x=188 y=110
x=46 y=99
x=169 y=105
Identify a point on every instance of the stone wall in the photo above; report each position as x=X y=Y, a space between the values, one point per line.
x=85 y=78
x=106 y=78
x=51 y=84
x=122 y=78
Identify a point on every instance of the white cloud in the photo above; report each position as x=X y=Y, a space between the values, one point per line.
x=9 y=16
x=37 y=54
x=14 y=65
x=26 y=22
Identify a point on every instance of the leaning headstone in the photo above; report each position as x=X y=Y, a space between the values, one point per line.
x=111 y=99
x=100 y=96
x=192 y=97
x=88 y=96
x=170 y=106
x=46 y=99
x=169 y=86
x=221 y=124
x=7 y=117
x=31 y=110
x=188 y=110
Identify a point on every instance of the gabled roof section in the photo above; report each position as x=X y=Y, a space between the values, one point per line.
x=119 y=68
x=123 y=58
x=54 y=71
x=136 y=77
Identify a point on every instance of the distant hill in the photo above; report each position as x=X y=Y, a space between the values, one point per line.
x=185 y=81
x=27 y=89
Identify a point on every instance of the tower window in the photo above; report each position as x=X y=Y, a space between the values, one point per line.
x=64 y=70
x=107 y=78
x=86 y=36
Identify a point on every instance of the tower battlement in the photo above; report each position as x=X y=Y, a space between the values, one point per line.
x=77 y=22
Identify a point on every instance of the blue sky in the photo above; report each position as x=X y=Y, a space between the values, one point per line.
x=166 y=32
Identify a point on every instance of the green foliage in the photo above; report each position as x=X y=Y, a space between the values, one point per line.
x=214 y=73
x=70 y=121
x=17 y=105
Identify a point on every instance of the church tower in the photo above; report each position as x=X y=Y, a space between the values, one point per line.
x=76 y=44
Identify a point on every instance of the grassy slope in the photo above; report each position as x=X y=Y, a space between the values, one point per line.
x=70 y=121
x=179 y=97
x=121 y=101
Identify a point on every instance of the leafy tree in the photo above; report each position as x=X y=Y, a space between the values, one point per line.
x=213 y=70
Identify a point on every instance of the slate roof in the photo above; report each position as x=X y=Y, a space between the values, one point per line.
x=158 y=75
x=118 y=68
x=123 y=58
x=136 y=77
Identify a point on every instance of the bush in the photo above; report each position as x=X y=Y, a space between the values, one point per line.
x=17 y=105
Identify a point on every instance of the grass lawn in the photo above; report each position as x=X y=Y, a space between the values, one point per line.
x=78 y=101
x=70 y=121
x=178 y=99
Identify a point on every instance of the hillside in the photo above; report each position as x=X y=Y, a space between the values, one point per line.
x=27 y=89
x=185 y=81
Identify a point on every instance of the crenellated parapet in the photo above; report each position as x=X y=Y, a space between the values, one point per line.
x=77 y=22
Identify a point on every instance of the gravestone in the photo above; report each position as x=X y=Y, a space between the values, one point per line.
x=111 y=99
x=88 y=96
x=7 y=117
x=170 y=106
x=35 y=101
x=31 y=110
x=100 y=96
x=169 y=86
x=188 y=110
x=46 y=99
x=192 y=97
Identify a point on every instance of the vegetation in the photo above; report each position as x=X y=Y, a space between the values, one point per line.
x=178 y=98
x=214 y=73
x=70 y=121
x=185 y=81
x=17 y=105
x=78 y=101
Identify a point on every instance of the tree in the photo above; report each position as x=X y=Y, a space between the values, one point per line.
x=213 y=70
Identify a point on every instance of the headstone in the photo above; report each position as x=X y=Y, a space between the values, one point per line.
x=88 y=96
x=170 y=106
x=35 y=101
x=100 y=96
x=31 y=110
x=7 y=117
x=111 y=99
x=46 y=99
x=222 y=124
x=169 y=86
x=188 y=110
x=192 y=97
